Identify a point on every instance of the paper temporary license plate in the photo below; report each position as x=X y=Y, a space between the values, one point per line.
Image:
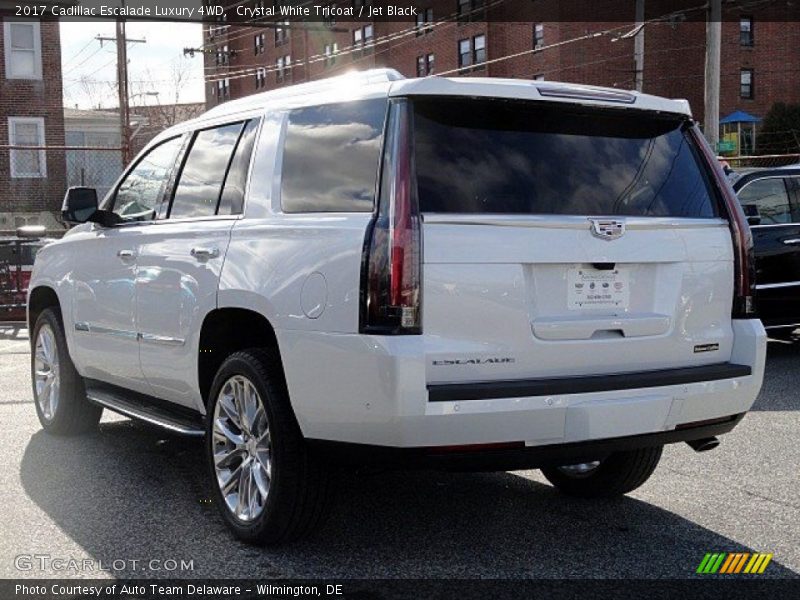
x=592 y=288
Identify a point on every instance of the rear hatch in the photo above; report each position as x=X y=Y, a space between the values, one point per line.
x=566 y=240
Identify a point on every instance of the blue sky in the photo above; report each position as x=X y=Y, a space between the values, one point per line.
x=90 y=74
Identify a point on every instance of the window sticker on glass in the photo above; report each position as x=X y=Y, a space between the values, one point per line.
x=594 y=288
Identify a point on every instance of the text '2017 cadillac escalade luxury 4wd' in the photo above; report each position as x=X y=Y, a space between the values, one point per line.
x=478 y=274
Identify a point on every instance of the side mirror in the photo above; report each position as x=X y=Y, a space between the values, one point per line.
x=80 y=206
x=80 y=203
x=752 y=214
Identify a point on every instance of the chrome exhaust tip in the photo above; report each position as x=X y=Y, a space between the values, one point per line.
x=703 y=445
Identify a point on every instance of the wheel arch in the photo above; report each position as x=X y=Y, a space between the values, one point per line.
x=40 y=298
x=225 y=331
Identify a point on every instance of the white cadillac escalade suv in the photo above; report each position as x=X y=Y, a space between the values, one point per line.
x=459 y=273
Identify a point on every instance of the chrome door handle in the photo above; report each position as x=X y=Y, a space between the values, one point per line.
x=792 y=242
x=126 y=254
x=205 y=253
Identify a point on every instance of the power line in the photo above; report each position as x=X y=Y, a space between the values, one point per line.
x=354 y=48
x=77 y=54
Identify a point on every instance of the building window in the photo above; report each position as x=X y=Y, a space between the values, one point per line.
x=425 y=65
x=330 y=19
x=468 y=10
x=464 y=53
x=538 y=35
x=746 y=83
x=331 y=50
x=261 y=78
x=223 y=89
x=23 y=49
x=424 y=21
x=27 y=131
x=479 y=44
x=283 y=68
x=363 y=37
x=282 y=33
x=472 y=51
x=259 y=43
x=746 y=31
x=223 y=55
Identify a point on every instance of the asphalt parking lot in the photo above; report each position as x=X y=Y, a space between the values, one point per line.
x=130 y=493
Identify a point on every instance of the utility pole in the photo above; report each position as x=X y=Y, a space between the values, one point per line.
x=638 y=47
x=122 y=90
x=122 y=86
x=713 y=51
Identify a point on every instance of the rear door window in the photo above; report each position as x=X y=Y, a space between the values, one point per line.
x=232 y=200
x=200 y=182
x=330 y=157
x=515 y=157
x=767 y=199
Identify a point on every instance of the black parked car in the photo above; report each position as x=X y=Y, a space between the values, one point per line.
x=771 y=201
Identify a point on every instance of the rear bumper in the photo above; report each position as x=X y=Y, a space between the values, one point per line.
x=511 y=458
x=371 y=390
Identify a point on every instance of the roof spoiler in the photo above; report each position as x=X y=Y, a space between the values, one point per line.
x=586 y=93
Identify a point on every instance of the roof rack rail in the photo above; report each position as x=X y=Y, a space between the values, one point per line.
x=312 y=87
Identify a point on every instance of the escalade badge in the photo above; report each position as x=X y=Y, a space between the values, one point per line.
x=607 y=229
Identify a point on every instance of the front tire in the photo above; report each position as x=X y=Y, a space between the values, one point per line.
x=58 y=390
x=269 y=488
x=618 y=474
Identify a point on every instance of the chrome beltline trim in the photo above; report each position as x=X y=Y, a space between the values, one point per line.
x=90 y=328
x=150 y=338
x=771 y=286
x=161 y=339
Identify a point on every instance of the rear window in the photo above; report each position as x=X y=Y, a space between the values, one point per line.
x=494 y=156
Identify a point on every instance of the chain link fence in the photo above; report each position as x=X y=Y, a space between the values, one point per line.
x=33 y=180
x=765 y=161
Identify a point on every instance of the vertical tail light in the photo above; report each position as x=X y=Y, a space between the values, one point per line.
x=392 y=269
x=744 y=261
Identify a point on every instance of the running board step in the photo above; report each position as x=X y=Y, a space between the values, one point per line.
x=145 y=408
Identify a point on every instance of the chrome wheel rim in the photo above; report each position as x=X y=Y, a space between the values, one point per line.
x=580 y=469
x=242 y=448
x=46 y=373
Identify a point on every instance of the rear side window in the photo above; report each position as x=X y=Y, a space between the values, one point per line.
x=330 y=157
x=492 y=156
x=768 y=199
x=200 y=183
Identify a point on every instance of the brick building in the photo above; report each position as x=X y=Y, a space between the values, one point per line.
x=32 y=182
x=544 y=39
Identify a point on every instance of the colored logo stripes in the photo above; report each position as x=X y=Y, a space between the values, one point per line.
x=734 y=562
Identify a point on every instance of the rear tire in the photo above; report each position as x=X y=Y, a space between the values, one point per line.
x=58 y=390
x=269 y=488
x=618 y=474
